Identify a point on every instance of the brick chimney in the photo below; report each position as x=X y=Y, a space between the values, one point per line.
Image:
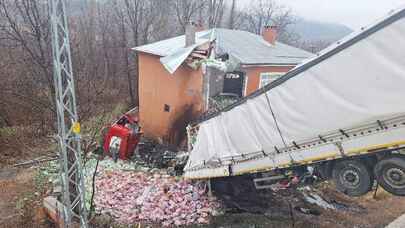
x=270 y=34
x=190 y=33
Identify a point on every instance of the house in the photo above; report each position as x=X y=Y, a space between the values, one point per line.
x=178 y=76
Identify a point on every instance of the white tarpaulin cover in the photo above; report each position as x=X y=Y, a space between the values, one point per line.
x=359 y=80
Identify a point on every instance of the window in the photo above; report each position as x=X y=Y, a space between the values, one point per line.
x=268 y=77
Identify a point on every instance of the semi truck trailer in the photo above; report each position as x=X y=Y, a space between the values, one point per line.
x=340 y=115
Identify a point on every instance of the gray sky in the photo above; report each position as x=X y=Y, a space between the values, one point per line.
x=353 y=13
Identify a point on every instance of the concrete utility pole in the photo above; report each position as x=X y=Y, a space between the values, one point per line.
x=71 y=176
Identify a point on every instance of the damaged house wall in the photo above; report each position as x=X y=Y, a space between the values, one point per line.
x=164 y=97
x=216 y=81
x=177 y=76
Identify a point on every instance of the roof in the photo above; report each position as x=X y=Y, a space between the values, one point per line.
x=325 y=54
x=170 y=46
x=250 y=48
x=246 y=47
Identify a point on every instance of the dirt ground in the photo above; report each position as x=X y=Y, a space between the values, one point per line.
x=21 y=198
x=361 y=212
x=369 y=211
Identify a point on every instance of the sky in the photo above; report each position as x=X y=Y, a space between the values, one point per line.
x=352 y=13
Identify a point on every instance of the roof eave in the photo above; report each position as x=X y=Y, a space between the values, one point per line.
x=148 y=52
x=268 y=64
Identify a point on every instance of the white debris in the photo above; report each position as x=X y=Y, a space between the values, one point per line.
x=314 y=198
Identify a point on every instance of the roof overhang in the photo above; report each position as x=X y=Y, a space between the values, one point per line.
x=246 y=65
x=147 y=52
x=173 y=62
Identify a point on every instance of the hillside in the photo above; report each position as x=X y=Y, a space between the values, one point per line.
x=311 y=31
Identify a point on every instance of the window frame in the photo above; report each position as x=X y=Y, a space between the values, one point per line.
x=273 y=76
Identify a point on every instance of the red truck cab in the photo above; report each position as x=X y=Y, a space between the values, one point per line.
x=123 y=137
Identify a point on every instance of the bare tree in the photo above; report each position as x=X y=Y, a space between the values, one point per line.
x=164 y=21
x=186 y=10
x=267 y=12
x=26 y=53
x=133 y=14
x=215 y=12
x=232 y=15
x=97 y=67
x=314 y=46
x=102 y=33
x=24 y=34
x=134 y=11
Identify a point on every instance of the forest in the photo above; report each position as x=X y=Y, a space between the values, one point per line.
x=102 y=34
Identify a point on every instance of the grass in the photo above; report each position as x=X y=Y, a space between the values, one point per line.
x=41 y=179
x=7 y=132
x=94 y=125
x=20 y=204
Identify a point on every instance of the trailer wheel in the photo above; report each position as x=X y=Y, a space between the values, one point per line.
x=352 y=177
x=390 y=174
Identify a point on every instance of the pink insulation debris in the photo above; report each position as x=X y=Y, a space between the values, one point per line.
x=132 y=197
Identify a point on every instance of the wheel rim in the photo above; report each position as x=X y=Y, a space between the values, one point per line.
x=395 y=177
x=350 y=178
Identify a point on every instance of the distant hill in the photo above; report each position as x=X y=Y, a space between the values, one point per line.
x=311 y=31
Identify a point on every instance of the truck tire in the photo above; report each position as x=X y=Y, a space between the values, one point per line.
x=352 y=177
x=390 y=174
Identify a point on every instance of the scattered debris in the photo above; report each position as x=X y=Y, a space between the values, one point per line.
x=136 y=191
x=155 y=155
x=317 y=200
x=37 y=161
x=216 y=104
x=133 y=192
x=308 y=211
x=132 y=197
x=52 y=208
x=239 y=195
x=221 y=101
x=107 y=164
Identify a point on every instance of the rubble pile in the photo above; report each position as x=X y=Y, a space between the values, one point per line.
x=132 y=197
x=155 y=155
x=134 y=192
x=222 y=101
x=219 y=102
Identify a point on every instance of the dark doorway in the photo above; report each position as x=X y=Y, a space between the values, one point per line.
x=234 y=82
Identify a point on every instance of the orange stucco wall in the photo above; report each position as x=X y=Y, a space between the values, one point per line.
x=253 y=75
x=182 y=91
